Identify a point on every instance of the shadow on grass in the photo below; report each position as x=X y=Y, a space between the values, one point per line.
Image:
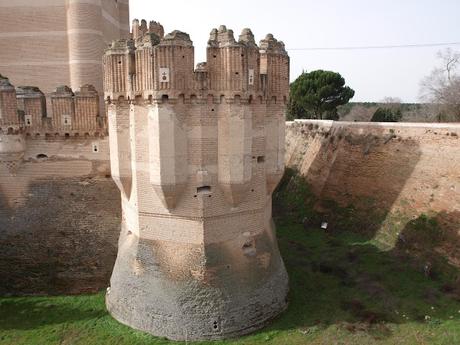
x=25 y=313
x=343 y=279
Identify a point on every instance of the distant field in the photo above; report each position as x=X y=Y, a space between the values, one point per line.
x=344 y=290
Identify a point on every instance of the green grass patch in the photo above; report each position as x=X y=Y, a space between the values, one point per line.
x=344 y=290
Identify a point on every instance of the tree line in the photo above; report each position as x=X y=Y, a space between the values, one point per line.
x=319 y=94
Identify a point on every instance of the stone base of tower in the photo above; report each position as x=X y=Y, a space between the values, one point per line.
x=197 y=292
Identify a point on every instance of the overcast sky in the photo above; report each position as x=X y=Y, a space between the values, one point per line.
x=373 y=74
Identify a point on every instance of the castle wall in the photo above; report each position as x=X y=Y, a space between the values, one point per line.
x=394 y=171
x=58 y=207
x=47 y=43
x=54 y=249
x=59 y=218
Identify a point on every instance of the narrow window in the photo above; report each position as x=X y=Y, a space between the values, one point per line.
x=95 y=147
x=203 y=190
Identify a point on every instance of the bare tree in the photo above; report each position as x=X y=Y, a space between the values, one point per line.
x=442 y=87
x=450 y=59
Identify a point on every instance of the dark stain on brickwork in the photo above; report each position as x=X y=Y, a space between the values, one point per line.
x=62 y=240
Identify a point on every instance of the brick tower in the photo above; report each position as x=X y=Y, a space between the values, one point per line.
x=12 y=140
x=196 y=154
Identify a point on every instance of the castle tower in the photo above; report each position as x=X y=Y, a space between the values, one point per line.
x=196 y=156
x=31 y=107
x=72 y=34
x=12 y=141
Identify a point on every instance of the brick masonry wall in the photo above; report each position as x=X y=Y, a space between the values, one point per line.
x=395 y=170
x=59 y=219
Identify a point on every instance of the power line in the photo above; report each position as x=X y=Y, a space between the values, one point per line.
x=422 y=45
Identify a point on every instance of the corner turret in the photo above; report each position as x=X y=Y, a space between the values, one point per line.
x=196 y=154
x=12 y=141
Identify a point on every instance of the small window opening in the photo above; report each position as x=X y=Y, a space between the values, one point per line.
x=237 y=73
x=215 y=325
x=249 y=248
x=95 y=148
x=203 y=190
x=67 y=135
x=42 y=156
x=212 y=109
x=247 y=245
x=260 y=159
x=214 y=56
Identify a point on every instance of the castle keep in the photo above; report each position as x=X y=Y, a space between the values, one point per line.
x=47 y=43
x=196 y=154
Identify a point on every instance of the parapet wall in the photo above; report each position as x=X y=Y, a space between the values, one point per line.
x=153 y=66
x=60 y=214
x=395 y=171
x=59 y=209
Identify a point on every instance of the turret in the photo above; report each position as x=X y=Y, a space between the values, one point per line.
x=274 y=64
x=251 y=61
x=31 y=107
x=174 y=64
x=12 y=141
x=87 y=117
x=225 y=61
x=119 y=59
x=156 y=28
x=171 y=71
x=135 y=29
x=143 y=79
x=62 y=102
x=275 y=83
x=9 y=119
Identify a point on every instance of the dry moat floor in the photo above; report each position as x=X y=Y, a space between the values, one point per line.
x=344 y=290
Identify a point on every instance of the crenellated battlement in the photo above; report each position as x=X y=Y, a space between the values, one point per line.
x=151 y=65
x=23 y=110
x=141 y=29
x=196 y=152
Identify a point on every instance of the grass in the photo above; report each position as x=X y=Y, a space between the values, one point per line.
x=344 y=290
